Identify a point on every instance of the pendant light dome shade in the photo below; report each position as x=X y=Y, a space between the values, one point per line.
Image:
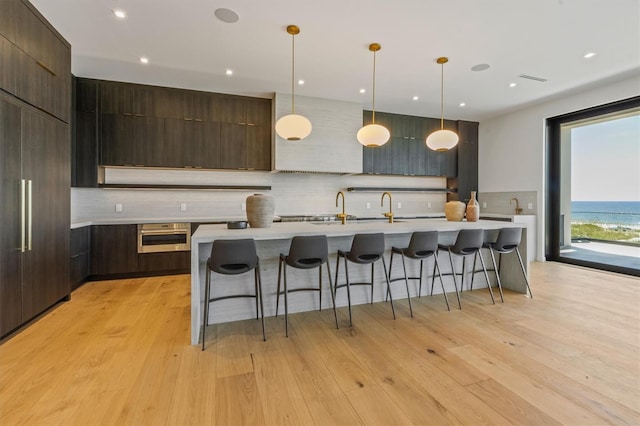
x=293 y=127
x=442 y=140
x=373 y=135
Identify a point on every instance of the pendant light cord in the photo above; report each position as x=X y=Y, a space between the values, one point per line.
x=442 y=97
x=373 y=101
x=293 y=75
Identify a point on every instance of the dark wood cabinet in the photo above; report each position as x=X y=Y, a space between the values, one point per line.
x=80 y=256
x=467 y=159
x=114 y=252
x=138 y=125
x=114 y=249
x=406 y=152
x=34 y=262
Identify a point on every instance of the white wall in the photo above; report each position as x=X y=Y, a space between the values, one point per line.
x=511 y=149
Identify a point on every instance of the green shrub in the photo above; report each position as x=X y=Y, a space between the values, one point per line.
x=596 y=232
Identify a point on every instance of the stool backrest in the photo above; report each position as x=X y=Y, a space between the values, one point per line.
x=468 y=241
x=366 y=248
x=308 y=251
x=508 y=240
x=233 y=256
x=423 y=244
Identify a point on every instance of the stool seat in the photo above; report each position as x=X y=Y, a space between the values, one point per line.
x=233 y=257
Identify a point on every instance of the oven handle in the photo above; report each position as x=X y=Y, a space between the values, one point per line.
x=162 y=232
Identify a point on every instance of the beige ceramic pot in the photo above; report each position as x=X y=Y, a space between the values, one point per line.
x=454 y=211
x=260 y=210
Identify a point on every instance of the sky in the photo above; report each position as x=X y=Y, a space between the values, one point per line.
x=605 y=161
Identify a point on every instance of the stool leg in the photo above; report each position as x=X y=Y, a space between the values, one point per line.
x=335 y=287
x=406 y=282
x=256 y=290
x=495 y=269
x=526 y=280
x=384 y=264
x=333 y=296
x=372 y=281
x=435 y=264
x=320 y=287
x=278 y=291
x=286 y=304
x=486 y=276
x=433 y=274
x=420 y=281
x=386 y=296
x=346 y=273
x=464 y=266
x=259 y=281
x=473 y=271
x=455 y=281
x=205 y=308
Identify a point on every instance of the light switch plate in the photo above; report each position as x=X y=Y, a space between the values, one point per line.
x=183 y=207
x=484 y=204
x=428 y=205
x=118 y=207
x=530 y=206
x=244 y=207
x=368 y=205
x=399 y=205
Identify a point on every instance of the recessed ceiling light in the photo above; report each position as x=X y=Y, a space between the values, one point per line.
x=363 y=91
x=415 y=98
x=480 y=67
x=229 y=72
x=226 y=15
x=300 y=82
x=512 y=85
x=144 y=59
x=462 y=104
x=119 y=13
x=589 y=55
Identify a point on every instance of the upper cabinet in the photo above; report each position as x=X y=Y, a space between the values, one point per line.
x=406 y=152
x=36 y=60
x=331 y=147
x=125 y=124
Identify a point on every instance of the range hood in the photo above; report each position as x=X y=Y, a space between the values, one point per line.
x=331 y=147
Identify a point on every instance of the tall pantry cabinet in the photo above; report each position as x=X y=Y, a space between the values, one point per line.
x=35 y=100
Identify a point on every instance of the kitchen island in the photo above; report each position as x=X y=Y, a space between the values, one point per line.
x=276 y=239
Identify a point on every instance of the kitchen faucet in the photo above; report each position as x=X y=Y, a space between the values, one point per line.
x=342 y=216
x=390 y=213
x=518 y=209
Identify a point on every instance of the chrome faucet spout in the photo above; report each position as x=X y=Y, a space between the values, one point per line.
x=390 y=213
x=342 y=216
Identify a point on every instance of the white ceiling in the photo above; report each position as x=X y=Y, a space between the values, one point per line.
x=189 y=48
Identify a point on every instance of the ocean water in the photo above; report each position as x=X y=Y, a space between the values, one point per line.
x=621 y=213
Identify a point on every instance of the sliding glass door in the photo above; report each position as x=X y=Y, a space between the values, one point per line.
x=593 y=187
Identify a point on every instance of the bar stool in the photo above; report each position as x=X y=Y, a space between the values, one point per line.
x=468 y=242
x=507 y=242
x=305 y=252
x=422 y=245
x=365 y=249
x=233 y=257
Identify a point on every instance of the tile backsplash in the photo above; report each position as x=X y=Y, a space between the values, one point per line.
x=294 y=193
x=500 y=202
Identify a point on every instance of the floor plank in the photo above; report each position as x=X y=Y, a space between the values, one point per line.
x=119 y=353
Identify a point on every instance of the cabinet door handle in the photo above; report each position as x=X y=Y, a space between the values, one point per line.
x=46 y=68
x=251 y=124
x=188 y=119
x=242 y=124
x=127 y=114
x=139 y=115
x=197 y=119
x=29 y=214
x=23 y=214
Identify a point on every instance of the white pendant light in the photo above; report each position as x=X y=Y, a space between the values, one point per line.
x=373 y=135
x=293 y=127
x=442 y=140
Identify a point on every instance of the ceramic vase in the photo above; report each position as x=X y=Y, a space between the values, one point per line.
x=473 y=208
x=260 y=210
x=454 y=211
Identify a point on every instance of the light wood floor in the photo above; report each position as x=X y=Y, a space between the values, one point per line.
x=118 y=353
